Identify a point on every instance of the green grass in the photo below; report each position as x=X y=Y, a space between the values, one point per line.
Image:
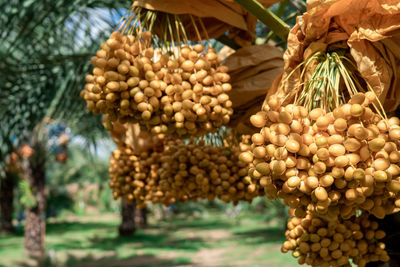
x=212 y=241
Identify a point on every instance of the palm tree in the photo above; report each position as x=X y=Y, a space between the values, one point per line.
x=46 y=46
x=7 y=185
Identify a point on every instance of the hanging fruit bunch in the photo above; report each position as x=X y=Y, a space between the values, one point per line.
x=319 y=242
x=160 y=81
x=178 y=171
x=331 y=151
x=134 y=176
x=198 y=170
x=134 y=165
x=328 y=149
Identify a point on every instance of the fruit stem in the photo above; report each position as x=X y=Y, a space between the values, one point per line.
x=205 y=32
x=195 y=27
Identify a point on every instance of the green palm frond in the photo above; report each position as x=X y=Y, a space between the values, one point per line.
x=45 y=49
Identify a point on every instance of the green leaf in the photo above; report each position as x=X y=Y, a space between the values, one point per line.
x=27 y=197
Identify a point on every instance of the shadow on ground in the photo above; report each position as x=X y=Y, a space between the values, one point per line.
x=260 y=236
x=157 y=237
x=143 y=260
x=61 y=227
x=198 y=224
x=109 y=261
x=157 y=241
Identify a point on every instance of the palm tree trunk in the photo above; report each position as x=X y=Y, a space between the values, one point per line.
x=141 y=217
x=6 y=202
x=35 y=226
x=127 y=226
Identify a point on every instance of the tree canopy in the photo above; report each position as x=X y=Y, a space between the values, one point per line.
x=46 y=47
